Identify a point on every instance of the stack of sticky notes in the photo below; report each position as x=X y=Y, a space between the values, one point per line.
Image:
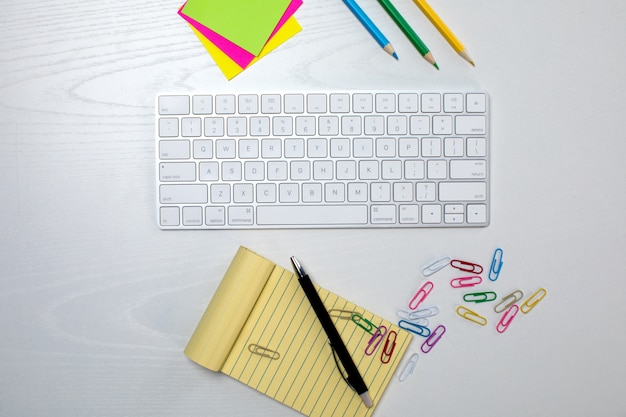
x=237 y=33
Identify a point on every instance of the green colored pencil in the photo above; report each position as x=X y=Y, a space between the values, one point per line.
x=408 y=31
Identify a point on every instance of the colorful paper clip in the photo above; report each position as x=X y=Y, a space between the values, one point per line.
x=496 y=265
x=263 y=351
x=419 y=314
x=414 y=328
x=508 y=301
x=375 y=340
x=421 y=294
x=409 y=367
x=363 y=323
x=470 y=315
x=434 y=337
x=532 y=301
x=340 y=314
x=463 y=282
x=466 y=266
x=480 y=297
x=406 y=315
x=507 y=318
x=390 y=346
x=434 y=266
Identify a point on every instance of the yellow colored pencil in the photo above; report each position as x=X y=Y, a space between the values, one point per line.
x=443 y=29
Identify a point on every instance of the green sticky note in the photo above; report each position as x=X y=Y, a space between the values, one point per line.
x=247 y=23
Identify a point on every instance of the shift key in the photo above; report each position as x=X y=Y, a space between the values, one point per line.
x=183 y=194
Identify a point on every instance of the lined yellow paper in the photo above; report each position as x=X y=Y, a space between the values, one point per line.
x=301 y=371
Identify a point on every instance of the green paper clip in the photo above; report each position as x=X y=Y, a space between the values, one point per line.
x=480 y=297
x=363 y=323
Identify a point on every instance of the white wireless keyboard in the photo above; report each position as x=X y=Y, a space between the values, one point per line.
x=329 y=159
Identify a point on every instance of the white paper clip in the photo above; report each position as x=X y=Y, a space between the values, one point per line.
x=409 y=367
x=435 y=266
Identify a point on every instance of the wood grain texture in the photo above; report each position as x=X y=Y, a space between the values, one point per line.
x=97 y=304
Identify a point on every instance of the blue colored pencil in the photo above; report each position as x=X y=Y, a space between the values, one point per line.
x=371 y=27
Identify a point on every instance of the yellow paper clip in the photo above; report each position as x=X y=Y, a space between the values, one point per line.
x=508 y=301
x=263 y=351
x=375 y=340
x=409 y=367
x=470 y=315
x=532 y=301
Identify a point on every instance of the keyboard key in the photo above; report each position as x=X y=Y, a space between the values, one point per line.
x=173 y=105
x=248 y=104
x=312 y=215
x=468 y=169
x=183 y=194
x=316 y=103
x=192 y=216
x=294 y=103
x=202 y=104
x=476 y=103
x=177 y=171
x=470 y=125
x=225 y=104
x=462 y=191
x=168 y=127
x=174 y=149
x=240 y=216
x=383 y=214
x=170 y=216
x=476 y=213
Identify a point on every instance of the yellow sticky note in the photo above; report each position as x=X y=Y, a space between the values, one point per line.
x=230 y=67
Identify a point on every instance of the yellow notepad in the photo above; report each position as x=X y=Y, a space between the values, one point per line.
x=260 y=329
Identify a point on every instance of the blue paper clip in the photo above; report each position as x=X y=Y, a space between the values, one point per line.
x=375 y=340
x=435 y=266
x=496 y=265
x=434 y=337
x=409 y=367
x=414 y=328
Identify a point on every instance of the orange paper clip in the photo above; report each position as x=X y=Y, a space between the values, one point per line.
x=507 y=318
x=463 y=282
x=532 y=301
x=421 y=294
x=466 y=266
x=390 y=346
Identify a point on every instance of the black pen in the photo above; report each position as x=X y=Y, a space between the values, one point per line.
x=354 y=378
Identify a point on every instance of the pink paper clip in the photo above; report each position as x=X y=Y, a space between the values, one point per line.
x=463 y=282
x=375 y=340
x=421 y=294
x=507 y=318
x=466 y=266
x=434 y=337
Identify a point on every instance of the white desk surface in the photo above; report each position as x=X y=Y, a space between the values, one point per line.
x=97 y=303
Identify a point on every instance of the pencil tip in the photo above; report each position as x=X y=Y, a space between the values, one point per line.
x=395 y=55
x=436 y=66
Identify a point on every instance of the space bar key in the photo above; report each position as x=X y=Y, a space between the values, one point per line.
x=311 y=215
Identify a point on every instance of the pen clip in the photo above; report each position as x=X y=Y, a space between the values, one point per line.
x=340 y=367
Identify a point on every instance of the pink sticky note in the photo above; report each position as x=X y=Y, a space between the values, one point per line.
x=239 y=55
